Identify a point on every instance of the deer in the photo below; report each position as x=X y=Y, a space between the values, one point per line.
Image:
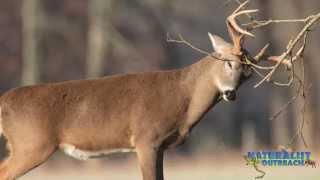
x=145 y=113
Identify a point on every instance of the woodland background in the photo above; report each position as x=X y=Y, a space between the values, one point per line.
x=55 y=40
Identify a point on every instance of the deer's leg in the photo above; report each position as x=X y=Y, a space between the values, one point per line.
x=24 y=157
x=151 y=162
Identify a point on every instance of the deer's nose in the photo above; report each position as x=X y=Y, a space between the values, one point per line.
x=230 y=95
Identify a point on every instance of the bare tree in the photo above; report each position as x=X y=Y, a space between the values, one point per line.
x=99 y=35
x=31 y=14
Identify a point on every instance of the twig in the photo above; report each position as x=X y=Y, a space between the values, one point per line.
x=183 y=41
x=285 y=106
x=258 y=24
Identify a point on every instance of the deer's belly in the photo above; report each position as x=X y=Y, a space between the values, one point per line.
x=80 y=154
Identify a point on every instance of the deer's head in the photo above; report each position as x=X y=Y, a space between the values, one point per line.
x=231 y=69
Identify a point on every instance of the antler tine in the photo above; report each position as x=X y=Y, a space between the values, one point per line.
x=261 y=53
x=232 y=21
x=235 y=31
x=240 y=7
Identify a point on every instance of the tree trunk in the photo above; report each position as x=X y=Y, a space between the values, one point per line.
x=31 y=14
x=99 y=31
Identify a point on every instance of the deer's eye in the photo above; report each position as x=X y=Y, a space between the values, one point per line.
x=229 y=64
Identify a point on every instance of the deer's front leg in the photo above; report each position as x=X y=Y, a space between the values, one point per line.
x=151 y=162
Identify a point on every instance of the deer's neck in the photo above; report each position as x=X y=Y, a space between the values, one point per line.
x=202 y=90
x=200 y=78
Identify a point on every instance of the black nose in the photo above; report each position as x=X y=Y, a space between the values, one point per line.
x=230 y=95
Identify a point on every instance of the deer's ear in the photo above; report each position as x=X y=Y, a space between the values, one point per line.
x=218 y=44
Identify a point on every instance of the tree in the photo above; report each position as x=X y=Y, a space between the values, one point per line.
x=31 y=23
x=99 y=33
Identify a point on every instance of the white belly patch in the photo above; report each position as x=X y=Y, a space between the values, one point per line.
x=72 y=151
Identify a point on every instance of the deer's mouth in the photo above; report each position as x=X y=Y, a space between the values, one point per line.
x=229 y=95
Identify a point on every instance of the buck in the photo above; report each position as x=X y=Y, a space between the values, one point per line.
x=144 y=113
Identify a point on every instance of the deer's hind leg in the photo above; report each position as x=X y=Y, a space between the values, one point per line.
x=24 y=157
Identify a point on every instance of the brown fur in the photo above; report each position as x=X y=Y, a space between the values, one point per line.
x=146 y=111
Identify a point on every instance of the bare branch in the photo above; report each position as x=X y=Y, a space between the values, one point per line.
x=183 y=41
x=258 y=24
x=289 y=50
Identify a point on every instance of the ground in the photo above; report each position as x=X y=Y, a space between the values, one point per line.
x=210 y=166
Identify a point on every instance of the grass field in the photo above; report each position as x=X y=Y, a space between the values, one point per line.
x=209 y=167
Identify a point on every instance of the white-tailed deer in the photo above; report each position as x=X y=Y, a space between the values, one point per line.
x=145 y=112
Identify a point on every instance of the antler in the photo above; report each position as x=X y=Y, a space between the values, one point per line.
x=237 y=35
x=235 y=31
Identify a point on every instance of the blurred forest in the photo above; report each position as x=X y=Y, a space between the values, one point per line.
x=49 y=41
